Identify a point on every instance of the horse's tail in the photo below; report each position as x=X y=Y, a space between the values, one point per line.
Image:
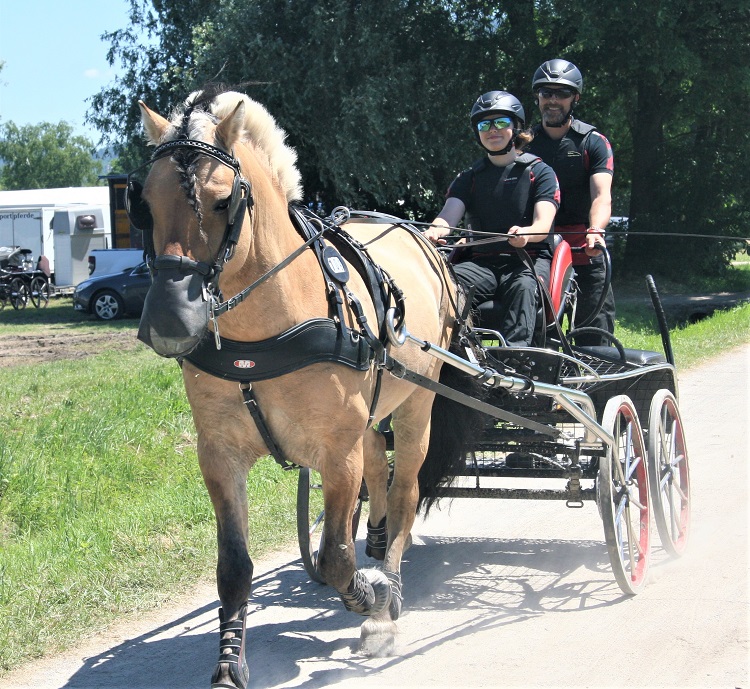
x=455 y=427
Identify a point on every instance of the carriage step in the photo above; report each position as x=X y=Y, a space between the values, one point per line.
x=516 y=493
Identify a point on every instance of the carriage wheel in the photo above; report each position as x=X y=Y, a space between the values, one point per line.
x=19 y=293
x=669 y=472
x=39 y=289
x=311 y=518
x=622 y=488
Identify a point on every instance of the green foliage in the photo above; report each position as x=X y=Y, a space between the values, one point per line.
x=375 y=96
x=45 y=156
x=692 y=343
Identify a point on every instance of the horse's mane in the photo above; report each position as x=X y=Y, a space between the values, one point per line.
x=211 y=104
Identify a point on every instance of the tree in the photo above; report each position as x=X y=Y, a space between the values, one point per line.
x=45 y=156
x=375 y=96
x=674 y=76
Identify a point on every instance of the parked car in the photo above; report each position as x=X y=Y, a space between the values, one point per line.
x=108 y=261
x=109 y=297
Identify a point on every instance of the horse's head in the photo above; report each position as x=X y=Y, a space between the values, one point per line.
x=195 y=208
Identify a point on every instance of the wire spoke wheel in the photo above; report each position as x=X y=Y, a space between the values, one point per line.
x=39 y=292
x=669 y=472
x=311 y=519
x=623 y=495
x=19 y=293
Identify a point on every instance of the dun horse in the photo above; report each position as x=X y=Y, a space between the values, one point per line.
x=278 y=322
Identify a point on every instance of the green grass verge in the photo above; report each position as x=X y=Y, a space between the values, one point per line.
x=692 y=344
x=103 y=510
x=102 y=506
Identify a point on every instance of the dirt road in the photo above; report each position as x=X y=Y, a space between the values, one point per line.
x=498 y=593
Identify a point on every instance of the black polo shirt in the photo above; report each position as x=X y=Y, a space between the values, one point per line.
x=582 y=152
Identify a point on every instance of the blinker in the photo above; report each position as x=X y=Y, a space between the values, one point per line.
x=136 y=208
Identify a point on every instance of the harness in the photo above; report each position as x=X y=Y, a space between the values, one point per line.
x=313 y=341
x=318 y=339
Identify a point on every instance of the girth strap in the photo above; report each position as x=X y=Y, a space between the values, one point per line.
x=252 y=406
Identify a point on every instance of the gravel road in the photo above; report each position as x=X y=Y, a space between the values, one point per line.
x=497 y=594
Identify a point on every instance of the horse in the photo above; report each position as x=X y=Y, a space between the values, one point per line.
x=296 y=363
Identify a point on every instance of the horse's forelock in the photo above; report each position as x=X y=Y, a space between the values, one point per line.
x=261 y=129
x=204 y=109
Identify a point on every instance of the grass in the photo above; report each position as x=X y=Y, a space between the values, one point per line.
x=102 y=506
x=692 y=343
x=103 y=510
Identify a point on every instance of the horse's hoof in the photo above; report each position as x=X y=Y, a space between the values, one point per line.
x=378 y=638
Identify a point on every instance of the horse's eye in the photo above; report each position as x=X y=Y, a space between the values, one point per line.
x=222 y=205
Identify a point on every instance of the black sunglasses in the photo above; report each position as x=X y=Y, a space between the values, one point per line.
x=499 y=122
x=560 y=93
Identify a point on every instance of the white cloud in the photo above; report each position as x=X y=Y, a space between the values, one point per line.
x=92 y=73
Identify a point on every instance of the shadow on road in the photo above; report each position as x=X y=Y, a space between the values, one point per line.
x=492 y=582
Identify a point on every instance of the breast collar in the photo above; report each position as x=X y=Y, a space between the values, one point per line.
x=316 y=340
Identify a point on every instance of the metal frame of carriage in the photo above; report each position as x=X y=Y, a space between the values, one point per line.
x=602 y=420
x=20 y=281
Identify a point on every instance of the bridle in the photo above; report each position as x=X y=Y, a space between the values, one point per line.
x=241 y=200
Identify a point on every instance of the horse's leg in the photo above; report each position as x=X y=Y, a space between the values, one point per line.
x=376 y=478
x=366 y=592
x=227 y=485
x=412 y=432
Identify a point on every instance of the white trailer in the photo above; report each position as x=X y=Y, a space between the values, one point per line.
x=61 y=224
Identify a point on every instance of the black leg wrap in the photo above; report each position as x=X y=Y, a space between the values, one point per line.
x=397 y=597
x=368 y=592
x=377 y=540
x=232 y=671
x=359 y=597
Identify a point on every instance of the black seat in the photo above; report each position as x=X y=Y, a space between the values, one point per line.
x=632 y=356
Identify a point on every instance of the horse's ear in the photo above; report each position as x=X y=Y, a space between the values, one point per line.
x=154 y=124
x=230 y=128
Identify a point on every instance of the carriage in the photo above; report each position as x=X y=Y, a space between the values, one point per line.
x=337 y=325
x=21 y=281
x=590 y=423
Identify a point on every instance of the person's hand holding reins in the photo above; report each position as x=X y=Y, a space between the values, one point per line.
x=436 y=235
x=517 y=237
x=594 y=237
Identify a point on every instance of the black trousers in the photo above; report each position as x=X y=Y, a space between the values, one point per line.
x=512 y=285
x=590 y=279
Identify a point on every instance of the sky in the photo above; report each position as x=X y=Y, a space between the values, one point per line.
x=55 y=59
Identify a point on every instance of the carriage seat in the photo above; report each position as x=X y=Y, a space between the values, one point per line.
x=561 y=285
x=632 y=356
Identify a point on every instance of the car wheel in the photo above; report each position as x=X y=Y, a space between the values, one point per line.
x=108 y=306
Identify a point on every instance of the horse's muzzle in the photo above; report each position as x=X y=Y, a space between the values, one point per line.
x=175 y=313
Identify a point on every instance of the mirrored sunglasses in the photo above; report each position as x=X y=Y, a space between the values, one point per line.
x=560 y=93
x=498 y=122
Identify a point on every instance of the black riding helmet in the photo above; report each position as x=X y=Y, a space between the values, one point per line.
x=495 y=103
x=557 y=72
